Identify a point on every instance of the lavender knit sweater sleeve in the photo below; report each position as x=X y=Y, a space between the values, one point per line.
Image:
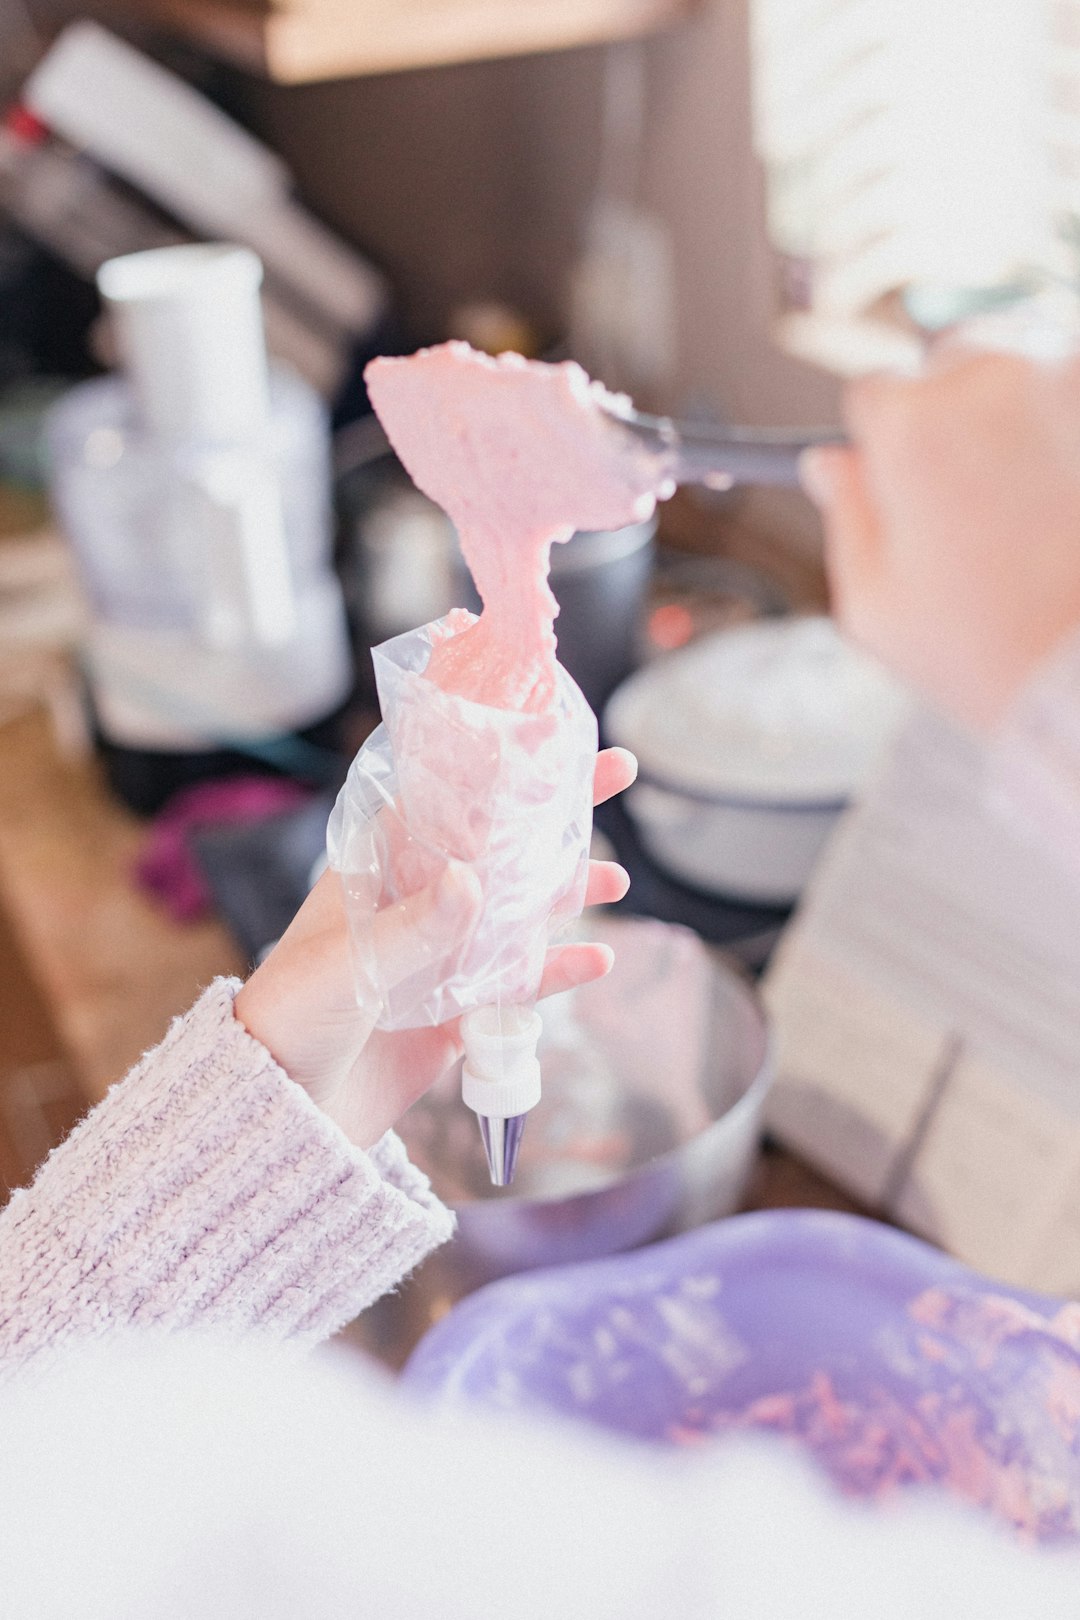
x=207 y=1190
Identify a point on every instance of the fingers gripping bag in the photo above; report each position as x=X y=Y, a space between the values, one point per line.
x=445 y=778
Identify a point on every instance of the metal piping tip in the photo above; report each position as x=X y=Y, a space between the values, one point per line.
x=502 y=1139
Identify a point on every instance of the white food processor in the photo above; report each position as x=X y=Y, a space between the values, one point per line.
x=195 y=490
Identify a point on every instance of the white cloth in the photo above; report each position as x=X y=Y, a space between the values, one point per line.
x=153 y=1480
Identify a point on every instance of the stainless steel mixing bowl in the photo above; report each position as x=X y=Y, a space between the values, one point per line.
x=654 y=1087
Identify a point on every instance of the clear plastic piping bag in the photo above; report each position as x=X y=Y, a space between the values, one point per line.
x=444 y=778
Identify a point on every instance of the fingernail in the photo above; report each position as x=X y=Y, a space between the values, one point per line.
x=629 y=759
x=583 y=964
x=591 y=963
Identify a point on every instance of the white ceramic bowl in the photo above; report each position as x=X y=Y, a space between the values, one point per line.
x=751 y=743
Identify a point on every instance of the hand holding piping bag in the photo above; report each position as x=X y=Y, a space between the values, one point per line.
x=953 y=523
x=301 y=1003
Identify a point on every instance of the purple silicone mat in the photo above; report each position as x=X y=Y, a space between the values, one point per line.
x=887 y=1361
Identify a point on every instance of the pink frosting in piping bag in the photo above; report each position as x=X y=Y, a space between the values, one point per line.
x=519 y=456
x=488 y=749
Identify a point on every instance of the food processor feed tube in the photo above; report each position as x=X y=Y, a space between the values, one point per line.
x=487 y=749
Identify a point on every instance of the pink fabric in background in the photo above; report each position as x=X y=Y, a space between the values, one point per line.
x=167 y=867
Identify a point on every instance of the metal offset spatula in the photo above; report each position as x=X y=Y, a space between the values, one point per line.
x=719 y=457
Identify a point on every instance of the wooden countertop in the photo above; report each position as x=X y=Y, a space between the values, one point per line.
x=297 y=41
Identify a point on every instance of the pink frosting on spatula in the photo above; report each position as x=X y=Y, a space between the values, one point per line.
x=519 y=455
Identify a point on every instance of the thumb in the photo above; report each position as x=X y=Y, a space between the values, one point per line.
x=833 y=478
x=428 y=926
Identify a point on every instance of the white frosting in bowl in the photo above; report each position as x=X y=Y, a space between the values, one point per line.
x=778 y=712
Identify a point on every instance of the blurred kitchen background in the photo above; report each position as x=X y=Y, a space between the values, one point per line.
x=213 y=213
x=565 y=179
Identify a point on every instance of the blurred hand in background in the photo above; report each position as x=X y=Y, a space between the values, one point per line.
x=953 y=524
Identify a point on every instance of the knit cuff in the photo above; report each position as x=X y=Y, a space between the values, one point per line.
x=1035 y=760
x=208 y=1190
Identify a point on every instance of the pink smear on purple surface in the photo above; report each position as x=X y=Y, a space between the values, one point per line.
x=888 y=1364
